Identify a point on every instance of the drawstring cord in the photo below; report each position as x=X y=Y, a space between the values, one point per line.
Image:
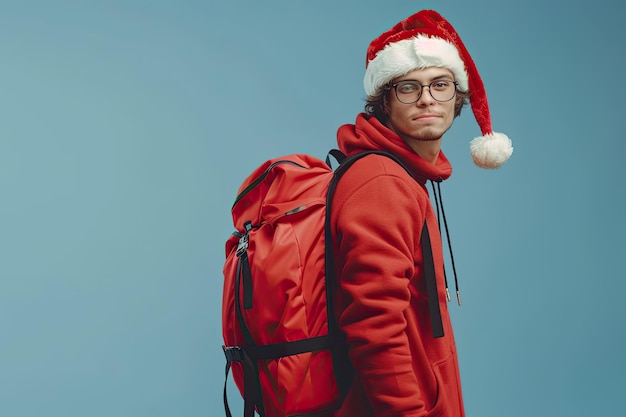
x=438 y=205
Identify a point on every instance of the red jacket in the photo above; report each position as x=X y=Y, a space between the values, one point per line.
x=378 y=212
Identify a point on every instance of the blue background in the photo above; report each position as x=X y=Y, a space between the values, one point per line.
x=126 y=128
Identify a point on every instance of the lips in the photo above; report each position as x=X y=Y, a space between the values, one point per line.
x=426 y=117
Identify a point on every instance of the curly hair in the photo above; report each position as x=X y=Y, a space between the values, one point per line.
x=377 y=105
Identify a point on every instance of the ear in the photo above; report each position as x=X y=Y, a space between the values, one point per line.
x=386 y=105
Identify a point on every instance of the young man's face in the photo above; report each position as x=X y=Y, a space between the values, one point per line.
x=427 y=119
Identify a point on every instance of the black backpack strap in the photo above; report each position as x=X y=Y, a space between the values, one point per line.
x=233 y=354
x=248 y=356
x=429 y=267
x=337 y=154
x=251 y=390
x=252 y=383
x=431 y=283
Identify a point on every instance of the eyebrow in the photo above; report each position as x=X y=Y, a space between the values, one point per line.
x=435 y=78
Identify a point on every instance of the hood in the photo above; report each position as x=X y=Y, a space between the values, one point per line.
x=369 y=134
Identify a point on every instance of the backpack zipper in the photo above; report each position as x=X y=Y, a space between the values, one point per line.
x=262 y=176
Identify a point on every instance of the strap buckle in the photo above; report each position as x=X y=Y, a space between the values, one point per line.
x=242 y=247
x=233 y=353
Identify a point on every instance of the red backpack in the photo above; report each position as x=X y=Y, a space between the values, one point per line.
x=281 y=339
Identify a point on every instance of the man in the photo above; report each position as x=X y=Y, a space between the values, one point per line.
x=418 y=76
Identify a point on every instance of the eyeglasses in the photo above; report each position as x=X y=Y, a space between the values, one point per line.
x=409 y=91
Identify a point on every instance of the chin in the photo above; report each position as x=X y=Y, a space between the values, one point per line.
x=427 y=138
x=426 y=135
x=429 y=133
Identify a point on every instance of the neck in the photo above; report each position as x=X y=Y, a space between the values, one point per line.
x=427 y=150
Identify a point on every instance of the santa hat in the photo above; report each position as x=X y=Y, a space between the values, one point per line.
x=425 y=40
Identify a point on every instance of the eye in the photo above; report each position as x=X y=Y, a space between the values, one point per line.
x=441 y=84
x=408 y=87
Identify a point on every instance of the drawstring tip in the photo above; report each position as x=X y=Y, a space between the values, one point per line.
x=448 y=295
x=458 y=297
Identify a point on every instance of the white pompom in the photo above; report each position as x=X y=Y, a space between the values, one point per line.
x=492 y=150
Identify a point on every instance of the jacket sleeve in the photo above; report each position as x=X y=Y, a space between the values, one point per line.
x=378 y=224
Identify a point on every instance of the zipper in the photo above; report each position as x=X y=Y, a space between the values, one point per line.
x=262 y=176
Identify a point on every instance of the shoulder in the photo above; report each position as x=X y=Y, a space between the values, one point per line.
x=377 y=180
x=376 y=200
x=373 y=166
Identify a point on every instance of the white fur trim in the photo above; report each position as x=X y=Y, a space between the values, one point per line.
x=418 y=52
x=491 y=150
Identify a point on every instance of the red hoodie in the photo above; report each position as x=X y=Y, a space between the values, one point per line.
x=378 y=212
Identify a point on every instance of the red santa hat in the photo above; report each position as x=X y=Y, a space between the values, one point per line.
x=424 y=40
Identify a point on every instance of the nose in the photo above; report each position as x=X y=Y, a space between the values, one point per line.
x=425 y=98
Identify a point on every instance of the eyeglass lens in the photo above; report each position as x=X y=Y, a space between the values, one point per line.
x=409 y=91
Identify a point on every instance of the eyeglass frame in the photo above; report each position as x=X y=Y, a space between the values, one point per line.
x=395 y=88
